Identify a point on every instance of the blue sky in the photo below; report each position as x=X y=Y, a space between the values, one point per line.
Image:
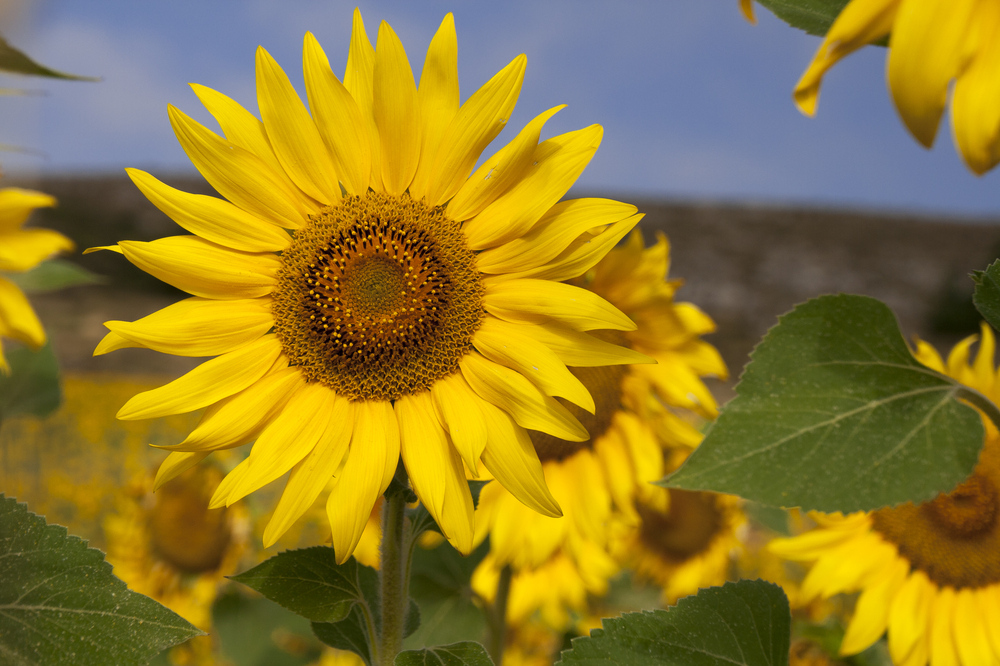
x=695 y=102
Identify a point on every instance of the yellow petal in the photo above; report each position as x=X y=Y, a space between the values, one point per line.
x=287 y=439
x=989 y=604
x=500 y=172
x=176 y=464
x=19 y=319
x=859 y=23
x=113 y=342
x=871 y=614
x=220 y=497
x=16 y=204
x=213 y=219
x=204 y=269
x=310 y=477
x=197 y=326
x=510 y=457
x=243 y=129
x=435 y=469
x=942 y=636
x=975 y=116
x=25 y=249
x=576 y=348
x=374 y=448
x=746 y=6
x=582 y=254
x=909 y=615
x=358 y=81
x=338 y=118
x=238 y=419
x=238 y=174
x=555 y=166
x=438 y=97
x=971 y=634
x=537 y=301
x=561 y=225
x=293 y=134
x=210 y=382
x=926 y=51
x=510 y=391
x=458 y=409
x=477 y=123
x=808 y=546
x=509 y=345
x=397 y=112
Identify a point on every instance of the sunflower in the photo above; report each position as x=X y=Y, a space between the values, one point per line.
x=932 y=43
x=170 y=546
x=928 y=574
x=21 y=250
x=640 y=410
x=367 y=298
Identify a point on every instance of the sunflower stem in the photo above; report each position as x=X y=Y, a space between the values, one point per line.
x=394 y=592
x=979 y=400
x=498 y=616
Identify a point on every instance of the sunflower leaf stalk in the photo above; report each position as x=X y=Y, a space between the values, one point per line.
x=394 y=580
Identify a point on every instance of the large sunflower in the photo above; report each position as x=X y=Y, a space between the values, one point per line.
x=367 y=298
x=21 y=250
x=639 y=412
x=930 y=573
x=932 y=44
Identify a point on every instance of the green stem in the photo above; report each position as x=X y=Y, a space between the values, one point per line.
x=498 y=616
x=394 y=592
x=981 y=401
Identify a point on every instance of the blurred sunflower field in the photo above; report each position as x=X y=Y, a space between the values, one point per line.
x=388 y=384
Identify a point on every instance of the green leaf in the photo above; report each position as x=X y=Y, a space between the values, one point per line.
x=987 y=295
x=253 y=631
x=834 y=413
x=348 y=634
x=311 y=583
x=440 y=584
x=14 y=61
x=813 y=16
x=746 y=623
x=32 y=387
x=52 y=275
x=466 y=653
x=60 y=603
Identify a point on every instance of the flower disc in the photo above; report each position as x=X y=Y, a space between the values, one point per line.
x=378 y=297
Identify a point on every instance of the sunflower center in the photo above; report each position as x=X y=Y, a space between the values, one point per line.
x=605 y=385
x=378 y=297
x=687 y=528
x=954 y=538
x=183 y=531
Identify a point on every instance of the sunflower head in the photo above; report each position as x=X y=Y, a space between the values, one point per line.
x=366 y=298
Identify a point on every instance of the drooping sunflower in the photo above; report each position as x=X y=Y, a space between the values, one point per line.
x=170 y=546
x=932 y=43
x=929 y=574
x=21 y=250
x=638 y=421
x=368 y=298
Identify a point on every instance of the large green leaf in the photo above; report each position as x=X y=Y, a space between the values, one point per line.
x=987 y=294
x=834 y=413
x=311 y=583
x=14 y=61
x=32 y=387
x=458 y=654
x=813 y=16
x=739 y=624
x=60 y=603
x=440 y=584
x=52 y=275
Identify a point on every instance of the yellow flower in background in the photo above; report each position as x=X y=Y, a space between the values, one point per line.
x=641 y=409
x=21 y=250
x=170 y=546
x=683 y=544
x=932 y=44
x=746 y=6
x=929 y=574
x=366 y=298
